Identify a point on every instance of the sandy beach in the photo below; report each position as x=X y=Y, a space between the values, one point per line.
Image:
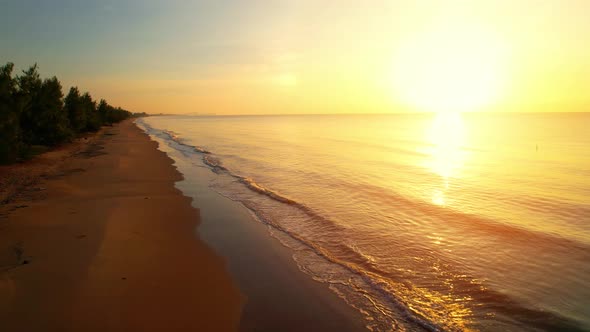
x=103 y=241
x=95 y=237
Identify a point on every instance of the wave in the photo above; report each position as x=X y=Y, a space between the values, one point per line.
x=213 y=162
x=384 y=292
x=201 y=150
x=265 y=191
x=363 y=265
x=400 y=296
x=170 y=135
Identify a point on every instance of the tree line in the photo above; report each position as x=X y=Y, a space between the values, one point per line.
x=34 y=112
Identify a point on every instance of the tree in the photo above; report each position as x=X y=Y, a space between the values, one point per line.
x=34 y=112
x=42 y=119
x=110 y=114
x=52 y=122
x=102 y=109
x=92 y=117
x=75 y=110
x=10 y=140
x=29 y=85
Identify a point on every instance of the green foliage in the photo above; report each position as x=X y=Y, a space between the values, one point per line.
x=10 y=140
x=42 y=119
x=109 y=114
x=93 y=122
x=75 y=110
x=52 y=126
x=28 y=88
x=33 y=113
x=102 y=110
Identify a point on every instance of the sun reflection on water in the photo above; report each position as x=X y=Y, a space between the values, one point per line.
x=445 y=159
x=446 y=136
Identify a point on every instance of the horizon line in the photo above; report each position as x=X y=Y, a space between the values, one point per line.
x=356 y=114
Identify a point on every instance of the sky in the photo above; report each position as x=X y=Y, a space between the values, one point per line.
x=304 y=56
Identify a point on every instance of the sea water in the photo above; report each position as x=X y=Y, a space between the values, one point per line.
x=420 y=221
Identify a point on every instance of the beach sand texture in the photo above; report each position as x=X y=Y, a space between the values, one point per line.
x=103 y=241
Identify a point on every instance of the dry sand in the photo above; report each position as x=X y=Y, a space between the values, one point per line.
x=103 y=241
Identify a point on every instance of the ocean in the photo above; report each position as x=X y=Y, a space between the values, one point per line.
x=475 y=221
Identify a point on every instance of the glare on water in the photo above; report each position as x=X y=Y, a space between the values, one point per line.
x=446 y=137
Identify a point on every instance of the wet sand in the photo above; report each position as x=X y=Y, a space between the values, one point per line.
x=103 y=241
x=279 y=296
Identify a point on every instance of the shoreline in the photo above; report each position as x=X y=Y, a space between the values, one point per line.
x=279 y=296
x=87 y=244
x=93 y=248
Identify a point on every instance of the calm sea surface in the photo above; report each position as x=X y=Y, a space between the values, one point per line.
x=448 y=222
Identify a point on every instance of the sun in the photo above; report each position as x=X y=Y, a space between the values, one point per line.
x=448 y=71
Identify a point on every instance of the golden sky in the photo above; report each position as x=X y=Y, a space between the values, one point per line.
x=303 y=56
